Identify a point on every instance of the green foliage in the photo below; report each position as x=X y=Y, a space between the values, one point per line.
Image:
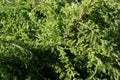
x=59 y=40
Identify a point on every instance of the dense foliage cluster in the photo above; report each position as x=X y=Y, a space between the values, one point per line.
x=59 y=39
